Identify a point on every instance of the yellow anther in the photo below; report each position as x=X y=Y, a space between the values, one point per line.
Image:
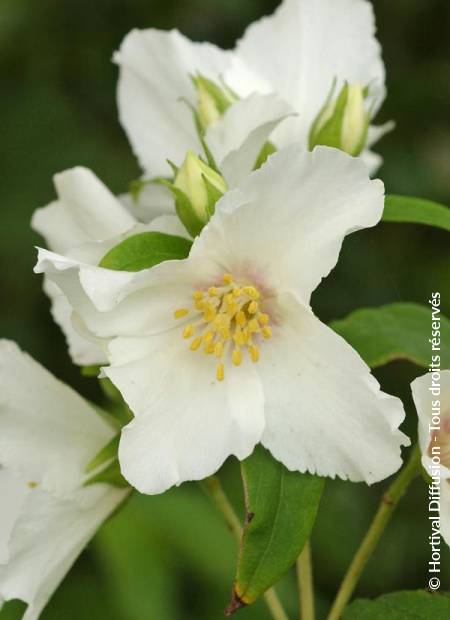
x=208 y=337
x=267 y=332
x=209 y=313
x=219 y=322
x=195 y=344
x=225 y=332
x=209 y=348
x=226 y=315
x=220 y=372
x=188 y=331
x=263 y=318
x=178 y=314
x=240 y=318
x=236 y=357
x=253 y=326
x=253 y=307
x=252 y=292
x=254 y=352
x=239 y=338
x=232 y=309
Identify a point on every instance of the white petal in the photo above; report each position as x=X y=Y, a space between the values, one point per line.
x=372 y=160
x=184 y=433
x=47 y=539
x=154 y=78
x=324 y=411
x=237 y=137
x=170 y=225
x=48 y=433
x=59 y=227
x=423 y=398
x=82 y=351
x=302 y=48
x=95 y=208
x=13 y=495
x=114 y=303
x=287 y=221
x=153 y=200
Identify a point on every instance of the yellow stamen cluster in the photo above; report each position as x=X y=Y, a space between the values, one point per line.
x=226 y=318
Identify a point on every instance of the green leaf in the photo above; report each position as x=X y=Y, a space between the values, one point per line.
x=397 y=331
x=145 y=250
x=418 y=605
x=416 y=211
x=107 y=453
x=281 y=508
x=109 y=475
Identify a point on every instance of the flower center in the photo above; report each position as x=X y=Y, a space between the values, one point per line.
x=226 y=320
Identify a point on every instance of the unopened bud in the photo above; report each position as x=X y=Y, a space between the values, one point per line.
x=213 y=100
x=200 y=184
x=342 y=123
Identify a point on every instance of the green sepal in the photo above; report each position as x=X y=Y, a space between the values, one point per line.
x=93 y=370
x=213 y=196
x=267 y=149
x=175 y=170
x=109 y=475
x=108 y=452
x=312 y=132
x=220 y=99
x=145 y=250
x=185 y=211
x=201 y=136
x=330 y=133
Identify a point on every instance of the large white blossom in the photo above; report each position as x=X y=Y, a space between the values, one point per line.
x=220 y=351
x=86 y=212
x=296 y=54
x=48 y=434
x=433 y=410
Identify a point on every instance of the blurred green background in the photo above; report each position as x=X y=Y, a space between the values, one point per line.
x=170 y=557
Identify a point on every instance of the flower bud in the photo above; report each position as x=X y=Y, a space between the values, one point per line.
x=344 y=122
x=213 y=100
x=200 y=184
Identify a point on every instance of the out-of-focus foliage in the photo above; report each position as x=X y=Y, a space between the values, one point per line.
x=170 y=557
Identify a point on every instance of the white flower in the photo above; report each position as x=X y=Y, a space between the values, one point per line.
x=433 y=410
x=86 y=212
x=48 y=434
x=296 y=54
x=273 y=373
